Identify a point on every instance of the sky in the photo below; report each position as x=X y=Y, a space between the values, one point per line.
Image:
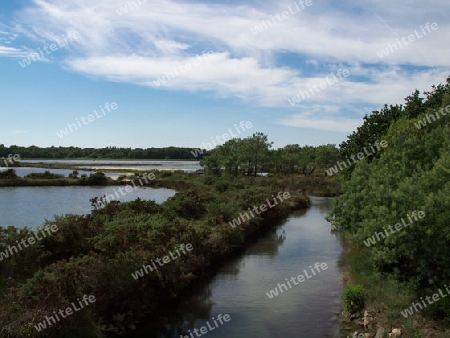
x=181 y=72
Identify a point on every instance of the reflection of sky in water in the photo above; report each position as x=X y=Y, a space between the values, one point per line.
x=239 y=289
x=123 y=164
x=30 y=206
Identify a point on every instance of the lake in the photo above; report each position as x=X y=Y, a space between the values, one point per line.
x=30 y=206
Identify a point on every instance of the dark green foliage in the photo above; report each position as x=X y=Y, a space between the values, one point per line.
x=412 y=174
x=353 y=298
x=46 y=175
x=174 y=153
x=97 y=178
x=9 y=174
x=253 y=155
x=96 y=254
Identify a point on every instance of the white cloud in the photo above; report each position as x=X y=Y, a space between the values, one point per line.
x=328 y=124
x=148 y=42
x=12 y=52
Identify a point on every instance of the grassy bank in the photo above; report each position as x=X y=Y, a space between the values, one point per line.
x=97 y=254
x=385 y=299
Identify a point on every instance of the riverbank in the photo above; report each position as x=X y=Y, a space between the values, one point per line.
x=385 y=300
x=317 y=184
x=96 y=254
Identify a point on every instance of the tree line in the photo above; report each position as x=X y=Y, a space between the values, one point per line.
x=254 y=155
x=412 y=173
x=34 y=152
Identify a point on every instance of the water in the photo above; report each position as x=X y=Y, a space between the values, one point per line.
x=30 y=206
x=309 y=309
x=23 y=171
x=189 y=166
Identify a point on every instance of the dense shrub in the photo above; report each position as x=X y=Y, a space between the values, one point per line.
x=353 y=298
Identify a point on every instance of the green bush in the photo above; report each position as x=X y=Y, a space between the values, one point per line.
x=353 y=298
x=46 y=175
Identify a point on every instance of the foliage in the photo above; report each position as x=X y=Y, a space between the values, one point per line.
x=353 y=298
x=253 y=155
x=96 y=254
x=107 y=153
x=45 y=175
x=412 y=174
x=9 y=174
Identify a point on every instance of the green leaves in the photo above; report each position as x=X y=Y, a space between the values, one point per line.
x=413 y=173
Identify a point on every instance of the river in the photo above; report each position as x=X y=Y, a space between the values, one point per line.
x=240 y=287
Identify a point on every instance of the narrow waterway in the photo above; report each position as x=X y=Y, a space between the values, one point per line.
x=309 y=309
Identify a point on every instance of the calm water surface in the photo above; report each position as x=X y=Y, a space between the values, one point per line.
x=128 y=164
x=239 y=289
x=30 y=206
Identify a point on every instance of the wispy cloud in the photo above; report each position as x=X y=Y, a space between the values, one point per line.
x=18 y=132
x=142 y=45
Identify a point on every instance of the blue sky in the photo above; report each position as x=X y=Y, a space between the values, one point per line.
x=234 y=61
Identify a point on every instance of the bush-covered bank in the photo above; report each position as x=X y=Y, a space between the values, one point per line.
x=96 y=254
x=385 y=299
x=403 y=257
x=9 y=178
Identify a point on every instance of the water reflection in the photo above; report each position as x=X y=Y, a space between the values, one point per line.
x=240 y=286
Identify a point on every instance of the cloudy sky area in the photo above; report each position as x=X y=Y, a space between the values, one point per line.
x=231 y=68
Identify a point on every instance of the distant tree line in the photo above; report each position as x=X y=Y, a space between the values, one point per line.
x=254 y=155
x=172 y=153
